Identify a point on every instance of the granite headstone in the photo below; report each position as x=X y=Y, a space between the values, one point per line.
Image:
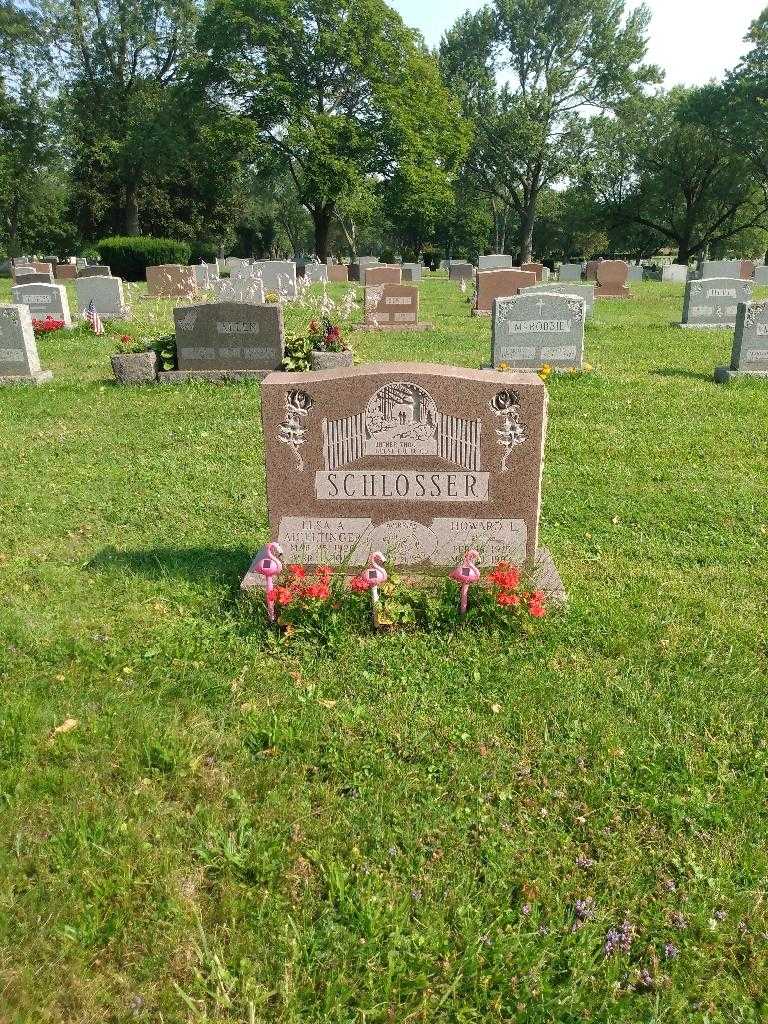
x=497 y=284
x=749 y=356
x=714 y=302
x=19 y=361
x=229 y=336
x=539 y=328
x=44 y=300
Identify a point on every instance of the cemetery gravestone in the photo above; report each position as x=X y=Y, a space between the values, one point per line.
x=384 y=274
x=338 y=273
x=749 y=356
x=238 y=289
x=590 y=270
x=107 y=296
x=497 y=261
x=714 y=303
x=227 y=341
x=19 y=361
x=634 y=273
x=316 y=273
x=171 y=281
x=44 y=300
x=497 y=284
x=279 y=276
x=677 y=273
x=393 y=307
x=94 y=271
x=571 y=271
x=711 y=269
x=535 y=329
x=418 y=461
x=66 y=272
x=612 y=280
x=33 y=278
x=41 y=267
x=761 y=275
x=414 y=269
x=461 y=272
x=535 y=268
x=747 y=270
x=581 y=289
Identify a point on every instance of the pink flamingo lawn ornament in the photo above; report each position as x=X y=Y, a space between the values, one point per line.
x=375 y=576
x=269 y=567
x=466 y=575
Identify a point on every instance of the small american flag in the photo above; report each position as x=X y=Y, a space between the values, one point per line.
x=93 y=318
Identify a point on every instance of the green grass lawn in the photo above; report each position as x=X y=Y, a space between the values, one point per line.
x=394 y=828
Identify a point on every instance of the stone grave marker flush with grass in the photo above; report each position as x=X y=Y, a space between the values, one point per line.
x=420 y=462
x=19 y=361
x=749 y=357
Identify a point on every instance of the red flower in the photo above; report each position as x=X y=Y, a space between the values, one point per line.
x=505 y=576
x=314 y=327
x=333 y=334
x=359 y=584
x=508 y=600
x=318 y=591
x=280 y=595
x=324 y=572
x=297 y=571
x=538 y=611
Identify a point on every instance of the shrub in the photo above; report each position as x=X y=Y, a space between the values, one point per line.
x=129 y=257
x=205 y=251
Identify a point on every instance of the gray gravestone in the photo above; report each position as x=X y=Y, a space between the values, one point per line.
x=497 y=261
x=107 y=295
x=316 y=273
x=44 y=300
x=571 y=271
x=238 y=289
x=720 y=268
x=713 y=302
x=33 y=277
x=537 y=328
x=415 y=270
x=19 y=361
x=461 y=272
x=94 y=272
x=635 y=274
x=229 y=336
x=750 y=344
x=761 y=275
x=585 y=290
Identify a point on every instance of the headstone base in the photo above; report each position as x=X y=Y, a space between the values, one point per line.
x=481 y=312
x=600 y=295
x=724 y=374
x=422 y=326
x=40 y=377
x=214 y=376
x=706 y=327
x=544 y=576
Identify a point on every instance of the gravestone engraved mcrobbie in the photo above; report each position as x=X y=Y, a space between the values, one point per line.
x=713 y=302
x=418 y=461
x=535 y=329
x=749 y=357
x=19 y=361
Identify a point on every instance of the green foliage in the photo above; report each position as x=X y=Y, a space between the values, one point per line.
x=129 y=257
x=297 y=352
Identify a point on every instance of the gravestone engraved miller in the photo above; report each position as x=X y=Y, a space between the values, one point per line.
x=749 y=357
x=221 y=337
x=19 y=361
x=418 y=461
x=536 y=329
x=714 y=302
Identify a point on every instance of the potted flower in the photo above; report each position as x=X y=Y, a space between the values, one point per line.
x=135 y=362
x=328 y=349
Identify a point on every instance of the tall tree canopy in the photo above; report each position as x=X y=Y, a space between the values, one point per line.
x=526 y=70
x=340 y=90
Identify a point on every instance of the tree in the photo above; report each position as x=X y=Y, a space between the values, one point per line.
x=559 y=57
x=338 y=89
x=662 y=167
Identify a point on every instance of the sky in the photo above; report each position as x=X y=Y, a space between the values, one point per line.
x=692 y=40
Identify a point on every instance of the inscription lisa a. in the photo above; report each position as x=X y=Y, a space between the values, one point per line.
x=409 y=485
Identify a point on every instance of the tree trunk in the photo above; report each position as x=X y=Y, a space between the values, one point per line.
x=526 y=230
x=321 y=218
x=132 y=226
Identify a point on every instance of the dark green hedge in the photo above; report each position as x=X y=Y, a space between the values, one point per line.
x=129 y=257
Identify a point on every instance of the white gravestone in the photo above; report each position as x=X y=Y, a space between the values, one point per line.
x=496 y=261
x=44 y=300
x=19 y=361
x=278 y=276
x=316 y=273
x=571 y=271
x=107 y=295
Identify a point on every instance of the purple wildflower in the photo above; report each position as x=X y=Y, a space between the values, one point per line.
x=668 y=885
x=645 y=981
x=678 y=920
x=584 y=909
x=543 y=930
x=720 y=915
x=671 y=952
x=619 y=940
x=584 y=862
x=526 y=909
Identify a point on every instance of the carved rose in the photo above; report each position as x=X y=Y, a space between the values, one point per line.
x=504 y=401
